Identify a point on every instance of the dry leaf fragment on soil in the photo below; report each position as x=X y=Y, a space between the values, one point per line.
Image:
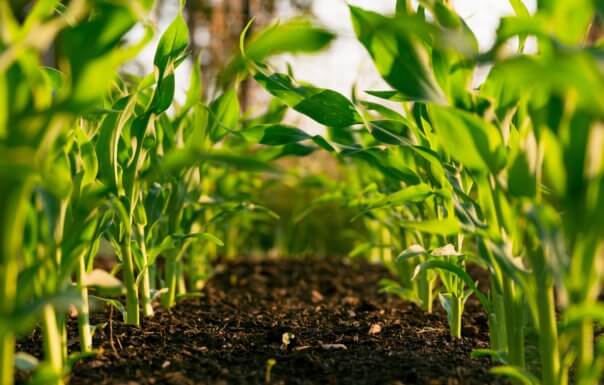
x=315 y=296
x=332 y=346
x=375 y=329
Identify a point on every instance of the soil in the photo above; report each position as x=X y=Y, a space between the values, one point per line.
x=344 y=332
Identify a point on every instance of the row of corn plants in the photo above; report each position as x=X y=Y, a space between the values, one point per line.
x=508 y=174
x=92 y=155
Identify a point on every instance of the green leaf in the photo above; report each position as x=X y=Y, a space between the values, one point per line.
x=361 y=250
x=274 y=134
x=568 y=20
x=391 y=95
x=560 y=73
x=399 y=57
x=519 y=8
x=496 y=356
x=93 y=51
x=447 y=226
x=383 y=161
x=475 y=143
x=203 y=237
x=172 y=44
x=519 y=375
x=108 y=141
x=390 y=131
x=175 y=241
x=446 y=16
x=181 y=159
x=224 y=114
x=329 y=108
x=90 y=162
x=412 y=194
x=41 y=10
x=122 y=214
x=4 y=104
x=323 y=143
x=324 y=106
x=57 y=176
x=56 y=77
x=290 y=149
x=164 y=94
x=93 y=80
x=296 y=35
x=449 y=302
x=521 y=180
x=576 y=314
x=112 y=302
x=195 y=90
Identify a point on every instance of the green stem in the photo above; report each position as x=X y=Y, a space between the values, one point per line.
x=425 y=292
x=58 y=245
x=145 y=279
x=152 y=277
x=585 y=355
x=514 y=321
x=8 y=279
x=182 y=286
x=497 y=328
x=132 y=310
x=168 y=300
x=548 y=335
x=13 y=207
x=173 y=271
x=455 y=317
x=53 y=352
x=83 y=313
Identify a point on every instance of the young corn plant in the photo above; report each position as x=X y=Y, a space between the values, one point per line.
x=457 y=285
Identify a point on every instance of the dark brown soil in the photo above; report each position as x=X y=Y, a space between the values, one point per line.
x=345 y=332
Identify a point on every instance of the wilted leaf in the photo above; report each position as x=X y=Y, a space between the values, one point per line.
x=101 y=278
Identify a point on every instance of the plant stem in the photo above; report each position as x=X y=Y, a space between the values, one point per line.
x=152 y=277
x=181 y=283
x=145 y=279
x=83 y=313
x=53 y=351
x=168 y=300
x=8 y=279
x=425 y=291
x=455 y=317
x=514 y=321
x=173 y=271
x=497 y=328
x=13 y=207
x=585 y=352
x=548 y=335
x=132 y=310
